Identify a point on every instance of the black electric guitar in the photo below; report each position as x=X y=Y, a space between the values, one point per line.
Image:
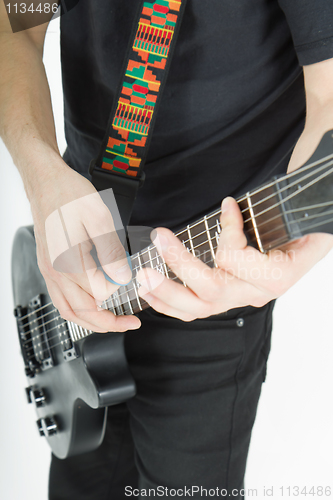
x=75 y=374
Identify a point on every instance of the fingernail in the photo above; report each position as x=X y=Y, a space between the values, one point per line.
x=132 y=327
x=123 y=274
x=225 y=205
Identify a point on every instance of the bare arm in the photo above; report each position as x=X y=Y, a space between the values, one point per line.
x=27 y=128
x=318 y=80
x=26 y=119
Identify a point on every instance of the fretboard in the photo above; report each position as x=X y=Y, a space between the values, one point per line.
x=200 y=239
x=265 y=225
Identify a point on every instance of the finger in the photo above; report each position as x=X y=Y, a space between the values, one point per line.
x=233 y=253
x=180 y=304
x=173 y=295
x=76 y=305
x=111 y=254
x=99 y=224
x=83 y=306
x=232 y=235
x=65 y=310
x=90 y=279
x=184 y=264
x=113 y=260
x=209 y=284
x=163 y=308
x=70 y=231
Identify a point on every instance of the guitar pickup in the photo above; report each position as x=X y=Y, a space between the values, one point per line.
x=35 y=324
x=69 y=349
x=31 y=364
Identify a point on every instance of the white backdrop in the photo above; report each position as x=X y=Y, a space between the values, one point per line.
x=292 y=438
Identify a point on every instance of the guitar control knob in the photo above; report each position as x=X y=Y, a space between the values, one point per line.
x=28 y=393
x=38 y=396
x=51 y=426
x=47 y=426
x=29 y=372
x=40 y=427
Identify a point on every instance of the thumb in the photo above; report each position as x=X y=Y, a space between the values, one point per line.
x=113 y=258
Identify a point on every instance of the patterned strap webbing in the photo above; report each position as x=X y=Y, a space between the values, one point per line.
x=126 y=144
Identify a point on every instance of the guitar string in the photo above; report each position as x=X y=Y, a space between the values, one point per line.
x=282 y=238
x=122 y=314
x=292 y=184
x=277 y=181
x=194 y=248
x=155 y=257
x=126 y=292
x=217 y=212
x=135 y=268
x=65 y=322
x=305 y=218
x=119 y=295
x=308 y=208
x=292 y=195
x=287 y=212
x=287 y=176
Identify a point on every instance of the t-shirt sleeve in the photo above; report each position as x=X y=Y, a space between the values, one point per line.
x=311 y=26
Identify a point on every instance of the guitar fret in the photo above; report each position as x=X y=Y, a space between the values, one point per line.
x=129 y=301
x=71 y=331
x=190 y=239
x=123 y=301
x=140 y=267
x=160 y=265
x=134 y=280
x=77 y=331
x=86 y=332
x=137 y=296
x=110 y=300
x=254 y=223
x=139 y=260
x=150 y=258
x=202 y=248
x=81 y=331
x=119 y=308
x=165 y=266
x=209 y=240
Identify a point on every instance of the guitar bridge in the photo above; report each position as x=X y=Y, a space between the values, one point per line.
x=35 y=324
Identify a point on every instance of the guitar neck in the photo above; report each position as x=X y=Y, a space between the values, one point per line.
x=200 y=238
x=274 y=214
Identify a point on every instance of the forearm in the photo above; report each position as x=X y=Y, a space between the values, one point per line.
x=26 y=118
x=318 y=80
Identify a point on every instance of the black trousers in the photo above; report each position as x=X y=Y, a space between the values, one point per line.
x=188 y=429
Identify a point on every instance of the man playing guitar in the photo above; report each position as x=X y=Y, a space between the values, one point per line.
x=232 y=111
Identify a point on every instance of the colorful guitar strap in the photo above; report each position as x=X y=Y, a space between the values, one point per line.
x=125 y=146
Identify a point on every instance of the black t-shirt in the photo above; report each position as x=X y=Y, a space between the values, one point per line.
x=233 y=106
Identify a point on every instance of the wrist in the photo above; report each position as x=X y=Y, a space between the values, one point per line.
x=39 y=167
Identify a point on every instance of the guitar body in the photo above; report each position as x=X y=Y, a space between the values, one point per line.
x=71 y=394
